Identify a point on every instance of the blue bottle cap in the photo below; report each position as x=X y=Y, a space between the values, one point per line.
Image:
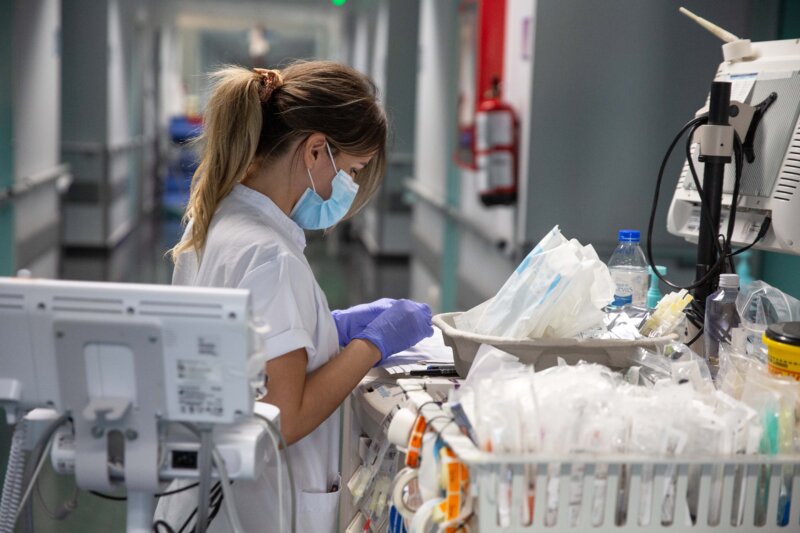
x=629 y=235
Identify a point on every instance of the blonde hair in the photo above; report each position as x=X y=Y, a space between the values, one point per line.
x=247 y=124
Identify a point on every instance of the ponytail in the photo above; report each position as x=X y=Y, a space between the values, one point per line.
x=254 y=116
x=231 y=130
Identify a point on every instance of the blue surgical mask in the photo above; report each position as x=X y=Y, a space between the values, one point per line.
x=312 y=212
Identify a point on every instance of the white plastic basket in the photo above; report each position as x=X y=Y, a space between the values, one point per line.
x=542 y=353
x=711 y=494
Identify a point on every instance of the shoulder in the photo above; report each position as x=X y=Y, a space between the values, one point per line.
x=279 y=267
x=244 y=239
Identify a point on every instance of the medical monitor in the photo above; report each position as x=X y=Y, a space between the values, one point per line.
x=71 y=344
x=770 y=185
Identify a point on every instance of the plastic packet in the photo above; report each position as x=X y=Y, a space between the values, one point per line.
x=694 y=371
x=712 y=434
x=734 y=365
x=776 y=399
x=645 y=438
x=558 y=290
x=653 y=366
x=558 y=389
x=745 y=435
x=488 y=361
x=674 y=443
x=604 y=431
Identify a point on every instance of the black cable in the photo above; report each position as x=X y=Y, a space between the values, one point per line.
x=761 y=234
x=738 y=151
x=217 y=487
x=694 y=339
x=723 y=250
x=705 y=209
x=108 y=496
x=215 y=506
x=159 y=495
x=188 y=520
x=158 y=524
x=649 y=247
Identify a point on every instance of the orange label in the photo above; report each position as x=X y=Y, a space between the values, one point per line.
x=775 y=369
x=415 y=442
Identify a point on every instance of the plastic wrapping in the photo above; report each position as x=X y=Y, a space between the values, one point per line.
x=590 y=409
x=676 y=362
x=557 y=291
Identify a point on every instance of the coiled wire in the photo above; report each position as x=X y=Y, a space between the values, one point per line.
x=15 y=474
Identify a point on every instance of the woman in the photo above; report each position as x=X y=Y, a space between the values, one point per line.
x=285 y=152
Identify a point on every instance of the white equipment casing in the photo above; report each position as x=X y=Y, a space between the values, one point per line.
x=129 y=363
x=244 y=447
x=206 y=344
x=770 y=186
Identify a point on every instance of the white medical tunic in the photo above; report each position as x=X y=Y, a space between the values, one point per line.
x=253 y=245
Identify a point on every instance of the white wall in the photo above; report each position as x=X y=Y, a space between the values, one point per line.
x=36 y=123
x=433 y=142
x=118 y=101
x=107 y=53
x=37 y=77
x=518 y=89
x=435 y=117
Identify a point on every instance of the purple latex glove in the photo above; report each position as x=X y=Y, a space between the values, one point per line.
x=352 y=321
x=398 y=328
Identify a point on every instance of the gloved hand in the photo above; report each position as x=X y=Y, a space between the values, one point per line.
x=352 y=321
x=398 y=328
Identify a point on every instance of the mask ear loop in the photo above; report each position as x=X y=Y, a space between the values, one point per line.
x=311 y=179
x=330 y=154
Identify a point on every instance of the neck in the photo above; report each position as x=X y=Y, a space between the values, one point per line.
x=274 y=181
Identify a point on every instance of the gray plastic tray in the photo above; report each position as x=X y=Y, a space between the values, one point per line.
x=542 y=353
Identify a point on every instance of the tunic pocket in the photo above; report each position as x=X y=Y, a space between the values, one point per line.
x=317 y=511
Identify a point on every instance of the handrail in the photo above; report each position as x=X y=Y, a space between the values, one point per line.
x=59 y=174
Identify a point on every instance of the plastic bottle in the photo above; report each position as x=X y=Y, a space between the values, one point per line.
x=628 y=269
x=721 y=317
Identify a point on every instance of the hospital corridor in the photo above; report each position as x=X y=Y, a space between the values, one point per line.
x=399 y=266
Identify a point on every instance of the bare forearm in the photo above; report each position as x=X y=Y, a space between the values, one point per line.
x=325 y=389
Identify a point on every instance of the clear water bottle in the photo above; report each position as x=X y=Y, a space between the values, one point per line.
x=721 y=318
x=628 y=269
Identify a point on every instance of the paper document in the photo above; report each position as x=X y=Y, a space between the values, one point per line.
x=428 y=351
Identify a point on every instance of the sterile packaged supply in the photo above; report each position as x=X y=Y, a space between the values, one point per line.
x=590 y=409
x=616 y=325
x=557 y=291
x=668 y=316
x=674 y=362
x=776 y=400
x=735 y=363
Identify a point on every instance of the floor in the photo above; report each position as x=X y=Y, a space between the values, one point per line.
x=346 y=272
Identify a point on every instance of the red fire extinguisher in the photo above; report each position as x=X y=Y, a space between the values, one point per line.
x=496 y=149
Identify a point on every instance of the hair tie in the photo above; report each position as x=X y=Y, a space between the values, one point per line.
x=270 y=80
